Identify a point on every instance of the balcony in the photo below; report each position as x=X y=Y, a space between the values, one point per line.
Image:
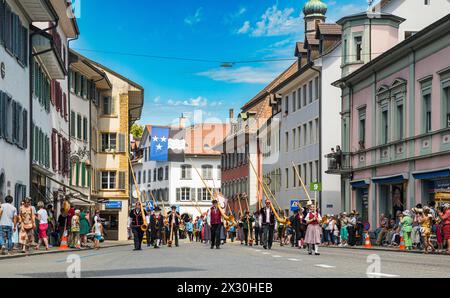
x=339 y=163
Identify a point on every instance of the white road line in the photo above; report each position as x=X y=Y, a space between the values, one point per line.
x=276 y=256
x=258 y=250
x=375 y=274
x=294 y=260
x=325 y=266
x=266 y=253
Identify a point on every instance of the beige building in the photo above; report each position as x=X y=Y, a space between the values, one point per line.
x=115 y=107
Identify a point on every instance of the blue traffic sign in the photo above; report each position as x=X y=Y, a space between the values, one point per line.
x=149 y=206
x=295 y=205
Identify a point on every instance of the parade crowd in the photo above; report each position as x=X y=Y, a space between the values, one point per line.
x=422 y=228
x=31 y=228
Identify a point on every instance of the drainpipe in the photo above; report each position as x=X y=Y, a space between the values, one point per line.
x=319 y=171
x=31 y=69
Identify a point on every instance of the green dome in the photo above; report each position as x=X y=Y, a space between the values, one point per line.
x=315 y=8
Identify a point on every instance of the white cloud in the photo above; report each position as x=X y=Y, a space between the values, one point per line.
x=194 y=19
x=274 y=22
x=192 y=102
x=344 y=10
x=244 y=74
x=245 y=27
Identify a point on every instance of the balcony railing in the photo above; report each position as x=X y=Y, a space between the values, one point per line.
x=339 y=163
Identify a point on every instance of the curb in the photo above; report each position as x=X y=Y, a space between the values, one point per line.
x=387 y=250
x=19 y=255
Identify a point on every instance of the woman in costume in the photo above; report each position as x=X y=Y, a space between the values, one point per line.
x=313 y=231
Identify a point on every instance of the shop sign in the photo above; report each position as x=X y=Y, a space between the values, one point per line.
x=113 y=205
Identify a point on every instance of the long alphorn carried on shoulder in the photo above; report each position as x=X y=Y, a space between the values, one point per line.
x=249 y=224
x=304 y=186
x=144 y=227
x=213 y=195
x=271 y=197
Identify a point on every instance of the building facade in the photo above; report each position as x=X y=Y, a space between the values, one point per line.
x=178 y=183
x=395 y=123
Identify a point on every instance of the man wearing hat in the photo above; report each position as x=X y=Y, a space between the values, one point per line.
x=174 y=223
x=214 y=220
x=156 y=226
x=135 y=221
x=268 y=225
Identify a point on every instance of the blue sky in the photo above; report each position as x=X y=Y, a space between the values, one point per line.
x=218 y=30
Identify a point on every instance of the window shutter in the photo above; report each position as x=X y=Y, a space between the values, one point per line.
x=8 y=121
x=54 y=150
x=25 y=129
x=53 y=92
x=47 y=152
x=85 y=129
x=1 y=98
x=83 y=174
x=65 y=106
x=77 y=173
x=98 y=180
x=121 y=142
x=112 y=105
x=122 y=180
x=88 y=177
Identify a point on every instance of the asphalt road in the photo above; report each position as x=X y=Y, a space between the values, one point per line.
x=232 y=261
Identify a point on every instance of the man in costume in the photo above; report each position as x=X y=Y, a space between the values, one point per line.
x=174 y=224
x=214 y=220
x=156 y=227
x=268 y=225
x=313 y=231
x=247 y=227
x=135 y=221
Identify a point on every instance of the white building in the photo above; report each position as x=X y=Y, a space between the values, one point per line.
x=50 y=97
x=16 y=18
x=177 y=183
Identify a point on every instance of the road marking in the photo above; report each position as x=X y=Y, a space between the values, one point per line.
x=325 y=266
x=258 y=250
x=266 y=253
x=381 y=274
x=294 y=260
x=276 y=256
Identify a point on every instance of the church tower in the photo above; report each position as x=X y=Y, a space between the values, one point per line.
x=314 y=11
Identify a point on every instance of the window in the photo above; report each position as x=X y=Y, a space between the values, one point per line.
x=299 y=98
x=286 y=105
x=154 y=175
x=108 y=180
x=79 y=127
x=400 y=121
x=316 y=87
x=299 y=136
x=287 y=141
x=139 y=177
x=167 y=173
x=204 y=195
x=358 y=48
x=144 y=177
x=109 y=142
x=73 y=123
x=294 y=138
x=294 y=176
x=207 y=172
x=310 y=91
x=362 y=126
x=317 y=170
x=427 y=111
x=186 y=172
x=305 y=139
x=311 y=171
x=85 y=129
x=447 y=100
x=294 y=101
x=317 y=126
x=183 y=194
x=384 y=126
x=344 y=52
x=310 y=133
x=304 y=95
x=287 y=178
x=108 y=105
x=13 y=35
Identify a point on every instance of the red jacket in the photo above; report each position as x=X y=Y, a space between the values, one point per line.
x=215 y=216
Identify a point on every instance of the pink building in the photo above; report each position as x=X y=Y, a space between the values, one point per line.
x=395 y=116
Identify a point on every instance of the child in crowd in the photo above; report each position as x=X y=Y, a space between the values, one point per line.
x=97 y=229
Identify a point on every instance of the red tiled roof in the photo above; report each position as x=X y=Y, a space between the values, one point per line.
x=202 y=138
x=329 y=29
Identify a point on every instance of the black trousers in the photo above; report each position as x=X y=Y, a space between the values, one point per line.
x=267 y=238
x=215 y=235
x=258 y=236
x=138 y=234
x=175 y=235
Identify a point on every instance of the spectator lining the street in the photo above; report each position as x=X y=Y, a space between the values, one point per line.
x=42 y=217
x=27 y=219
x=8 y=225
x=445 y=217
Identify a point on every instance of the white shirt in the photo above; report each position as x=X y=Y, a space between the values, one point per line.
x=9 y=211
x=43 y=215
x=267 y=219
x=97 y=229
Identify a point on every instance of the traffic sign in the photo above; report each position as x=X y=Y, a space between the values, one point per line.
x=295 y=205
x=316 y=186
x=149 y=206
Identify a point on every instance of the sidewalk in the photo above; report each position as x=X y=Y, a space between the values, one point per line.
x=390 y=249
x=56 y=250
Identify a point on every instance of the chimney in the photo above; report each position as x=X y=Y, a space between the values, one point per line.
x=231 y=114
x=182 y=121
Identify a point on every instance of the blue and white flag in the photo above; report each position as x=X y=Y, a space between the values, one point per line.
x=159 y=144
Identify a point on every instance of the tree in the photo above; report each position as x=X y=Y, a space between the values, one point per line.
x=137 y=131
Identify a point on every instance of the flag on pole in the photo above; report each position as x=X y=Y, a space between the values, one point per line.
x=167 y=144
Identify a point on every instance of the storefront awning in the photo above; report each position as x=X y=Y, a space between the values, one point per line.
x=390 y=179
x=360 y=183
x=433 y=174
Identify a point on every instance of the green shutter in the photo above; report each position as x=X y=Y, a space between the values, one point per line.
x=77 y=174
x=83 y=174
x=88 y=177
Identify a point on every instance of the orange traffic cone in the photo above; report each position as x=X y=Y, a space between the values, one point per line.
x=368 y=243
x=402 y=244
x=64 y=244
